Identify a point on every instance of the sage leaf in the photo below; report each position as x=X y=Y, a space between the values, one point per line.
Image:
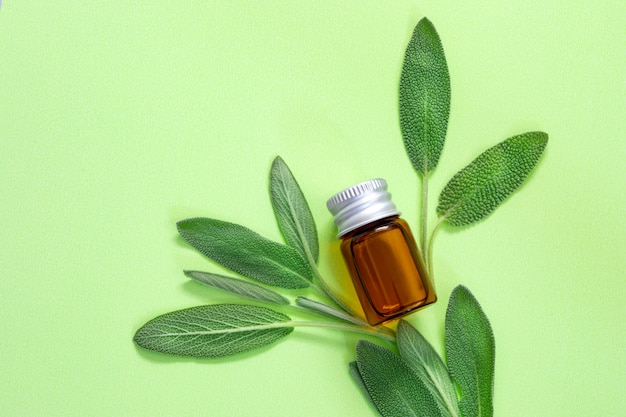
x=429 y=367
x=470 y=353
x=424 y=97
x=292 y=211
x=237 y=286
x=246 y=252
x=392 y=385
x=213 y=331
x=478 y=189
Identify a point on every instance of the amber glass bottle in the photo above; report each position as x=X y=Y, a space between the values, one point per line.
x=383 y=260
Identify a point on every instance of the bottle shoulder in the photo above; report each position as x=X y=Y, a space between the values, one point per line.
x=378 y=226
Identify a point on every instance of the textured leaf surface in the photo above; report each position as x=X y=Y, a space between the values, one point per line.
x=428 y=366
x=392 y=385
x=470 y=353
x=476 y=191
x=424 y=97
x=213 y=331
x=292 y=211
x=237 y=286
x=246 y=252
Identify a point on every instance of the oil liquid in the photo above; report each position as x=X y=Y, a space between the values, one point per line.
x=387 y=271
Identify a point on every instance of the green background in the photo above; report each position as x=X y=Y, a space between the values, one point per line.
x=119 y=118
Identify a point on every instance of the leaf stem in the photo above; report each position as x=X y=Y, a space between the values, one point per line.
x=312 y=306
x=323 y=289
x=328 y=292
x=424 y=220
x=430 y=248
x=317 y=288
x=381 y=332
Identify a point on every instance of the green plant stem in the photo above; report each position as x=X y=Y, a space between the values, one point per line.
x=317 y=307
x=430 y=248
x=379 y=331
x=424 y=221
x=326 y=291
x=317 y=289
x=334 y=297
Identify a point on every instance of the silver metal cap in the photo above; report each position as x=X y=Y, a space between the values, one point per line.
x=361 y=204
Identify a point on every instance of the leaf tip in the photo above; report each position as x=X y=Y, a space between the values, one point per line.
x=182 y=225
x=538 y=136
x=461 y=291
x=138 y=336
x=462 y=294
x=425 y=23
x=543 y=138
x=278 y=160
x=427 y=29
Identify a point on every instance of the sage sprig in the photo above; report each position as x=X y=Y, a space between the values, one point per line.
x=276 y=284
x=202 y=331
x=424 y=102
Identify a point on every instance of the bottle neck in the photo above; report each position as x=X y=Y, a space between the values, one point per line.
x=371 y=225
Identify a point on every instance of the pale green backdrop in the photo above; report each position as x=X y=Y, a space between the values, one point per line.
x=118 y=118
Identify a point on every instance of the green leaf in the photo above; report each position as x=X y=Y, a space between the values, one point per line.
x=424 y=97
x=477 y=190
x=470 y=353
x=292 y=211
x=429 y=367
x=246 y=252
x=238 y=287
x=213 y=331
x=392 y=385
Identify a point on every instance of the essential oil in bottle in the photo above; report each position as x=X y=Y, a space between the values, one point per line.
x=380 y=252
